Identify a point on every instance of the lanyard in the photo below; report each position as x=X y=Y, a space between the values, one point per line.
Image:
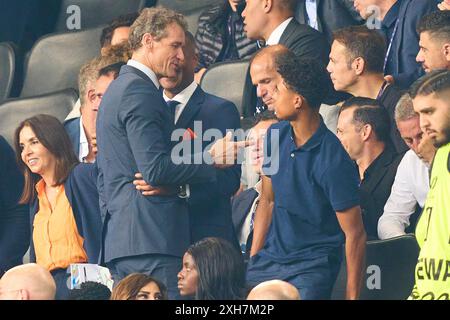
x=390 y=45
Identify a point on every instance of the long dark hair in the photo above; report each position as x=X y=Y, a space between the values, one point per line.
x=52 y=135
x=221 y=271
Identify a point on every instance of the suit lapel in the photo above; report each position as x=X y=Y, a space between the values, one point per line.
x=192 y=108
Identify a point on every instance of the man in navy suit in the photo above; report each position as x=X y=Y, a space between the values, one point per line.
x=209 y=203
x=134 y=126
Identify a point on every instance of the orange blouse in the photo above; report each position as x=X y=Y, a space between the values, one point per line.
x=57 y=242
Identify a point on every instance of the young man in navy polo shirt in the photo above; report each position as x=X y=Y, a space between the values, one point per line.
x=310 y=202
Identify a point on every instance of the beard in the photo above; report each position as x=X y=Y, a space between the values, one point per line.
x=445 y=138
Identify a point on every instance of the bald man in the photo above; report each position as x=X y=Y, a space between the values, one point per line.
x=27 y=282
x=274 y=290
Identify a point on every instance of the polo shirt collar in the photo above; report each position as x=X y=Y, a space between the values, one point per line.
x=315 y=140
x=392 y=15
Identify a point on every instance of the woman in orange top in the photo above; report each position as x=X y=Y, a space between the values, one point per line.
x=63 y=198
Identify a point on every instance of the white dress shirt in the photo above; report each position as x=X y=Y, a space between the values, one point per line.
x=410 y=188
x=149 y=72
x=183 y=98
x=276 y=34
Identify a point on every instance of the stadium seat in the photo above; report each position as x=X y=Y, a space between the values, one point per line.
x=94 y=13
x=8 y=63
x=184 y=6
x=55 y=61
x=226 y=80
x=13 y=111
x=389 y=273
x=192 y=19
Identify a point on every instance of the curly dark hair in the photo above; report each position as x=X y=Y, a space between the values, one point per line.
x=307 y=77
x=90 y=291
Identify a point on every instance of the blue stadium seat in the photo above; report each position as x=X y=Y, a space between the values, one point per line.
x=13 y=111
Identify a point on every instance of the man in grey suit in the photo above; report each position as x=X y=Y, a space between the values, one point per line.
x=134 y=126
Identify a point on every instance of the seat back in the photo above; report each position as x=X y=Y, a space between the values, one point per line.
x=226 y=80
x=7 y=63
x=389 y=272
x=93 y=13
x=55 y=61
x=14 y=111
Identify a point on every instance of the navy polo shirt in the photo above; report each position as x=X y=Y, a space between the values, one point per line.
x=312 y=183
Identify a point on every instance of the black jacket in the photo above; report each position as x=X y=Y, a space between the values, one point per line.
x=376 y=187
x=211 y=35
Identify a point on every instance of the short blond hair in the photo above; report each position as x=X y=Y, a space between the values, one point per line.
x=154 y=21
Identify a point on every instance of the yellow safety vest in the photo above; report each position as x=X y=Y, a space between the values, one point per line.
x=433 y=235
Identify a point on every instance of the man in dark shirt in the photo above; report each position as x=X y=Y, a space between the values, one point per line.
x=309 y=193
x=356 y=67
x=363 y=127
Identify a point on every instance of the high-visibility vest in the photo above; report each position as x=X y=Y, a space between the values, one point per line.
x=432 y=272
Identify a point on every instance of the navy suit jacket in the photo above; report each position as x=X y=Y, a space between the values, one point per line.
x=72 y=127
x=405 y=45
x=134 y=129
x=14 y=218
x=81 y=191
x=209 y=203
